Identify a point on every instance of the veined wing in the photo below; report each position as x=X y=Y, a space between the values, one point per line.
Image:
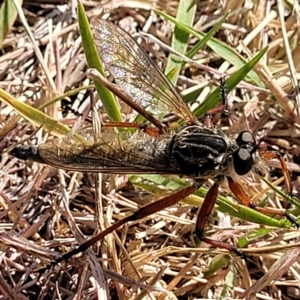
x=111 y=153
x=135 y=73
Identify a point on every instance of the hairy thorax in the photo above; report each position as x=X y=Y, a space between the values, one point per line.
x=202 y=152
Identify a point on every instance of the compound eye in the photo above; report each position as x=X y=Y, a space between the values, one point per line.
x=245 y=137
x=242 y=161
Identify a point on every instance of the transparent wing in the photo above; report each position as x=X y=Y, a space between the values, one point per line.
x=112 y=153
x=135 y=73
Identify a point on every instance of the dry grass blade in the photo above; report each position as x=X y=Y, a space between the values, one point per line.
x=45 y=212
x=276 y=271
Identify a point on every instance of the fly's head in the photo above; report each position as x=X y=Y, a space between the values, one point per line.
x=243 y=156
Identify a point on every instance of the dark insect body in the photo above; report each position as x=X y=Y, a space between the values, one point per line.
x=197 y=150
x=194 y=151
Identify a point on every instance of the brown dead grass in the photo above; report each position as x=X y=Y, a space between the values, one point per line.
x=45 y=212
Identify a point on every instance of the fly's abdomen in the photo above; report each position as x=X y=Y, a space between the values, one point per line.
x=27 y=152
x=110 y=153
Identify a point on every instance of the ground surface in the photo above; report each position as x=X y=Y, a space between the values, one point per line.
x=43 y=210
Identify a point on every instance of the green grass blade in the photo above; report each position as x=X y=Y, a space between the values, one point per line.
x=231 y=83
x=217 y=263
x=242 y=212
x=201 y=43
x=224 y=204
x=283 y=194
x=8 y=15
x=38 y=118
x=65 y=95
x=218 y=47
x=93 y=61
x=253 y=235
x=185 y=14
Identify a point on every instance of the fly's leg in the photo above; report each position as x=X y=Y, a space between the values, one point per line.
x=203 y=215
x=152 y=131
x=268 y=155
x=244 y=199
x=207 y=119
x=211 y=197
x=221 y=108
x=139 y=214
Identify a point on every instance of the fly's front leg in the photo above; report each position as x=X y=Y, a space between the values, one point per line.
x=244 y=199
x=268 y=155
x=221 y=108
x=207 y=119
x=204 y=213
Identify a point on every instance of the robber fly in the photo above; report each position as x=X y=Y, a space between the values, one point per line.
x=197 y=151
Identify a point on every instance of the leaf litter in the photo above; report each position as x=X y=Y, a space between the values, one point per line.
x=45 y=211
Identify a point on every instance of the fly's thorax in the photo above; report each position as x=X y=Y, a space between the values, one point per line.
x=202 y=152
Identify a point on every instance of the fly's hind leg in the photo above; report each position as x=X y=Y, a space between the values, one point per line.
x=203 y=215
x=139 y=214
